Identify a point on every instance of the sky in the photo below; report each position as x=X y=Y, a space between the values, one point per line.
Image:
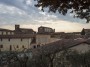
x=24 y=13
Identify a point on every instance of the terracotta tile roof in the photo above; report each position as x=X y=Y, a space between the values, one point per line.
x=87 y=29
x=45 y=27
x=57 y=46
x=88 y=41
x=17 y=36
x=1 y=29
x=26 y=29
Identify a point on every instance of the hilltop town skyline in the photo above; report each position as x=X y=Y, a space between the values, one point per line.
x=11 y=27
x=44 y=33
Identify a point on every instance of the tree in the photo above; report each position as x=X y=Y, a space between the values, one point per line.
x=44 y=59
x=81 y=8
x=77 y=59
x=13 y=59
x=83 y=32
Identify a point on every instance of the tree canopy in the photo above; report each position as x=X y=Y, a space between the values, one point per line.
x=81 y=8
x=83 y=32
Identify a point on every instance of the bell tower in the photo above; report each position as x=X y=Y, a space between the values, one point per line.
x=17 y=27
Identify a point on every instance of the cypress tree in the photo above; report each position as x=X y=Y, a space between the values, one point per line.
x=83 y=32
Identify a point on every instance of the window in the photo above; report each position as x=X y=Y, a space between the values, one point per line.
x=38 y=45
x=10 y=47
x=9 y=39
x=34 y=46
x=8 y=33
x=2 y=33
x=17 y=46
x=1 y=39
x=12 y=33
x=23 y=46
x=21 y=39
x=1 y=46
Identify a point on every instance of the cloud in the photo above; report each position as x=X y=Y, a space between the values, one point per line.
x=16 y=3
x=28 y=7
x=24 y=12
x=15 y=8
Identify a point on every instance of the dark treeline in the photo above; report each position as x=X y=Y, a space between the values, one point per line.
x=67 y=58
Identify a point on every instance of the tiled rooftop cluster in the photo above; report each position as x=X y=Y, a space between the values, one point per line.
x=57 y=46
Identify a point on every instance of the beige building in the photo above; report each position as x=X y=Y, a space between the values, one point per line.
x=21 y=38
x=20 y=42
x=43 y=39
x=15 y=42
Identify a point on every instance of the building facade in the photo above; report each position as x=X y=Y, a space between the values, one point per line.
x=85 y=32
x=43 y=30
x=21 y=38
x=19 y=30
x=15 y=42
x=43 y=39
